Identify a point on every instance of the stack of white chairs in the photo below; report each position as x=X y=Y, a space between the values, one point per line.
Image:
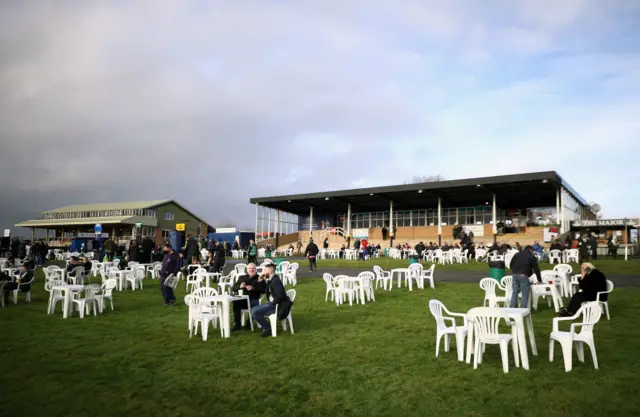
x=486 y=321
x=415 y=273
x=291 y=275
x=346 y=288
x=135 y=277
x=438 y=310
x=383 y=277
x=566 y=287
x=202 y=312
x=579 y=333
x=241 y=269
x=573 y=255
x=438 y=256
x=261 y=252
x=196 y=279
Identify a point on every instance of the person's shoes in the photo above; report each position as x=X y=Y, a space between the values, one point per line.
x=247 y=326
x=235 y=328
x=172 y=303
x=265 y=333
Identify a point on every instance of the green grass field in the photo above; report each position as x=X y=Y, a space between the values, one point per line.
x=375 y=359
x=608 y=266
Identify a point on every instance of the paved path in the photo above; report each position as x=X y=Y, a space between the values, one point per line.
x=440 y=275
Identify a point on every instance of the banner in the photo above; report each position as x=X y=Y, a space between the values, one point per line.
x=92 y=235
x=477 y=229
x=360 y=233
x=549 y=234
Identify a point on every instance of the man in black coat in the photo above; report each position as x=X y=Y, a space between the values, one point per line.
x=147 y=248
x=311 y=253
x=218 y=258
x=277 y=296
x=251 y=285
x=191 y=248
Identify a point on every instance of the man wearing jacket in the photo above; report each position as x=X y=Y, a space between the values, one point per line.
x=218 y=258
x=523 y=265
x=311 y=253
x=170 y=266
x=251 y=285
x=252 y=252
x=276 y=295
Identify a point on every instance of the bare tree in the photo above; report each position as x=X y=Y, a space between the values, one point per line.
x=418 y=179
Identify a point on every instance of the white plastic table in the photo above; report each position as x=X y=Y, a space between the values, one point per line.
x=210 y=275
x=400 y=271
x=68 y=291
x=518 y=315
x=225 y=300
x=11 y=271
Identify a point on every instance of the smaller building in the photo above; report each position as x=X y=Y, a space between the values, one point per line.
x=121 y=222
x=622 y=230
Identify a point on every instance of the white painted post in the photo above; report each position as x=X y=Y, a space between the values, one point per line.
x=310 y=222
x=269 y=224
x=348 y=219
x=494 y=215
x=256 y=229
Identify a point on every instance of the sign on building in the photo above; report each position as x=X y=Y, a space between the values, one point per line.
x=92 y=235
x=7 y=232
x=478 y=230
x=360 y=233
x=180 y=227
x=226 y=230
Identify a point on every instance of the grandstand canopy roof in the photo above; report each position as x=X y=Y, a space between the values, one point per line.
x=131 y=205
x=512 y=191
x=53 y=223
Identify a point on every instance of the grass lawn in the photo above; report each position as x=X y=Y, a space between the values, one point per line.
x=608 y=266
x=374 y=359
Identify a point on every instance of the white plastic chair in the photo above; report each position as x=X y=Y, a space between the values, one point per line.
x=241 y=269
x=367 y=283
x=460 y=332
x=27 y=295
x=106 y=292
x=330 y=287
x=87 y=301
x=427 y=274
x=506 y=285
x=201 y=313
x=564 y=269
x=345 y=288
x=590 y=313
x=136 y=277
x=384 y=277
x=486 y=321
x=491 y=299
x=604 y=304
x=55 y=296
x=573 y=255
x=291 y=274
x=544 y=289
x=195 y=279
x=78 y=275
x=555 y=255
x=273 y=318
x=480 y=254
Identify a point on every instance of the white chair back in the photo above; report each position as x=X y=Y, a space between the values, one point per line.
x=486 y=322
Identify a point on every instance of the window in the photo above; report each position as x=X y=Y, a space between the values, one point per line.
x=166 y=233
x=168 y=215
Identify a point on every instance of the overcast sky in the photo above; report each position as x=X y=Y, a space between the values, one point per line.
x=213 y=102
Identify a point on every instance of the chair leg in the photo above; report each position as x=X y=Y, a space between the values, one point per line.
x=274 y=325
x=592 y=347
x=567 y=353
x=290 y=323
x=606 y=309
x=504 y=352
x=438 y=338
x=580 y=351
x=446 y=342
x=460 y=346
x=551 y=343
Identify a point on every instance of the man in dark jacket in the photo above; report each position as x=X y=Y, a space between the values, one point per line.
x=277 y=296
x=384 y=233
x=191 y=247
x=218 y=258
x=110 y=249
x=591 y=283
x=593 y=245
x=147 y=248
x=523 y=265
x=252 y=252
x=250 y=285
x=133 y=252
x=23 y=283
x=170 y=266
x=311 y=253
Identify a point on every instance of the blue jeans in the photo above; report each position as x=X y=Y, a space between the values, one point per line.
x=520 y=283
x=167 y=292
x=240 y=305
x=260 y=312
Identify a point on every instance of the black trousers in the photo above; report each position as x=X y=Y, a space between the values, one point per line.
x=252 y=259
x=576 y=302
x=312 y=263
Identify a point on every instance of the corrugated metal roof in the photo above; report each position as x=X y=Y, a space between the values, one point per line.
x=131 y=205
x=146 y=221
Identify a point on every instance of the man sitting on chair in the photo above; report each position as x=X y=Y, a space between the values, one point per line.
x=251 y=285
x=23 y=282
x=591 y=283
x=277 y=296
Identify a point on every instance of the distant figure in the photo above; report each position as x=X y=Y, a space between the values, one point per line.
x=170 y=266
x=593 y=244
x=613 y=247
x=133 y=251
x=326 y=243
x=385 y=232
x=311 y=252
x=252 y=252
x=299 y=246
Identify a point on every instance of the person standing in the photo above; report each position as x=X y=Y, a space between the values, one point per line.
x=311 y=252
x=191 y=247
x=523 y=265
x=583 y=249
x=219 y=258
x=613 y=247
x=593 y=245
x=299 y=245
x=276 y=296
x=252 y=253
x=384 y=233
x=325 y=245
x=110 y=249
x=170 y=266
x=147 y=248
x=133 y=251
